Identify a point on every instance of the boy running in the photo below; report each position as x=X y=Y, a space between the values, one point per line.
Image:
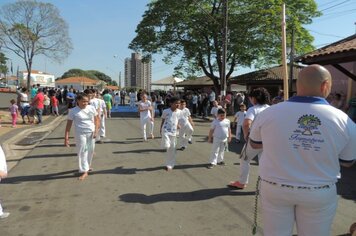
x=186 y=126
x=146 y=116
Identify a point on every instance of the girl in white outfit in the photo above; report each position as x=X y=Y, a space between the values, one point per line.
x=260 y=98
x=86 y=122
x=3 y=174
x=186 y=126
x=146 y=116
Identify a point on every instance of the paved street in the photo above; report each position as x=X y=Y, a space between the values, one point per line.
x=129 y=192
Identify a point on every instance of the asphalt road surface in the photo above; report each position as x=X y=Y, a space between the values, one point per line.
x=129 y=192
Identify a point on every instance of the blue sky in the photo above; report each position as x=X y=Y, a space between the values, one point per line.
x=100 y=29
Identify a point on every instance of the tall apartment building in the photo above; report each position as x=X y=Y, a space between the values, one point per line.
x=137 y=73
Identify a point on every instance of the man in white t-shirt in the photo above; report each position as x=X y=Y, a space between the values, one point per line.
x=3 y=174
x=146 y=116
x=304 y=142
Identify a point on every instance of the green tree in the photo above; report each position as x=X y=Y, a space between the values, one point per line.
x=78 y=73
x=192 y=29
x=29 y=28
x=3 y=66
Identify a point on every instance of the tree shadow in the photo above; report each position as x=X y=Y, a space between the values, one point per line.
x=123 y=142
x=199 y=195
x=140 y=151
x=346 y=186
x=58 y=138
x=51 y=155
x=54 y=145
x=43 y=177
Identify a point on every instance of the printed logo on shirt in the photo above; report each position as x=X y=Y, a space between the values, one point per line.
x=307 y=136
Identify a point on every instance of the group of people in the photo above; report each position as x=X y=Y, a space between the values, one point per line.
x=300 y=144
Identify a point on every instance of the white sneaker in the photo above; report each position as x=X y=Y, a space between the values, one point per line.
x=4 y=215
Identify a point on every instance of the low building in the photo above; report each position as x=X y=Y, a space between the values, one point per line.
x=80 y=83
x=37 y=77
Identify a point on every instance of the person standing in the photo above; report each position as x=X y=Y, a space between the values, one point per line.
x=260 y=98
x=300 y=164
x=107 y=97
x=214 y=109
x=38 y=105
x=238 y=120
x=86 y=121
x=146 y=116
x=3 y=174
x=168 y=130
x=54 y=105
x=14 y=112
x=186 y=126
x=219 y=136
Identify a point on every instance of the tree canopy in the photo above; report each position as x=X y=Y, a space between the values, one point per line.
x=91 y=74
x=3 y=66
x=192 y=30
x=29 y=28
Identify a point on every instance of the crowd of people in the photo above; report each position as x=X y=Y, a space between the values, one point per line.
x=300 y=143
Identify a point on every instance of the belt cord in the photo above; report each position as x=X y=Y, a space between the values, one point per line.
x=254 y=225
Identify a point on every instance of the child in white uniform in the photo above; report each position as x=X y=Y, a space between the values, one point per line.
x=146 y=116
x=186 y=126
x=85 y=119
x=168 y=131
x=3 y=174
x=214 y=109
x=219 y=135
x=239 y=119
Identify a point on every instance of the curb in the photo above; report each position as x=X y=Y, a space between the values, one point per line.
x=15 y=153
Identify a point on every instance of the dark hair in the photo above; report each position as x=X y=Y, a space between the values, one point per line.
x=221 y=111
x=261 y=95
x=12 y=101
x=80 y=96
x=242 y=105
x=183 y=101
x=173 y=100
x=88 y=91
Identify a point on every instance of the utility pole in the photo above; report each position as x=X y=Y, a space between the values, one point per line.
x=284 y=55
x=120 y=79
x=291 y=61
x=224 y=49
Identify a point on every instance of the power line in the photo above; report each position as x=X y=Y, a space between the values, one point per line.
x=331 y=35
x=335 y=5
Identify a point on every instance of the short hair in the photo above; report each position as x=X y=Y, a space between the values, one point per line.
x=221 y=111
x=80 y=96
x=242 y=105
x=12 y=101
x=261 y=95
x=88 y=91
x=183 y=101
x=173 y=100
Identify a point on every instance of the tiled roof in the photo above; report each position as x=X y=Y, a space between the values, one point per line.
x=77 y=80
x=112 y=87
x=273 y=73
x=346 y=45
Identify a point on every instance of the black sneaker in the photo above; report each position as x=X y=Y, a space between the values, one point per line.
x=190 y=142
x=210 y=166
x=221 y=163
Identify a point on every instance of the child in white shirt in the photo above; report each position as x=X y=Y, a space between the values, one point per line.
x=214 y=109
x=219 y=135
x=146 y=116
x=3 y=174
x=186 y=126
x=168 y=131
x=239 y=120
x=86 y=123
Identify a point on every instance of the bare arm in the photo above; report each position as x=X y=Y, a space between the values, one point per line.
x=97 y=125
x=246 y=127
x=210 y=137
x=191 y=120
x=160 y=130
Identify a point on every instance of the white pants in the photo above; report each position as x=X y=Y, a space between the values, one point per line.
x=238 y=132
x=144 y=122
x=1 y=210
x=312 y=210
x=245 y=170
x=185 y=134
x=85 y=150
x=132 y=103
x=217 y=151
x=102 y=132
x=169 y=142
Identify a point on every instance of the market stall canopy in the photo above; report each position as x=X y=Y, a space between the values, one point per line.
x=167 y=81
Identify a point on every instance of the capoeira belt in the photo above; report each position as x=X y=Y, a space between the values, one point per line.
x=297 y=187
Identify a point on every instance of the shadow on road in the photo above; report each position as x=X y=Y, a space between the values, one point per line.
x=198 y=195
x=346 y=186
x=140 y=151
x=51 y=155
x=43 y=177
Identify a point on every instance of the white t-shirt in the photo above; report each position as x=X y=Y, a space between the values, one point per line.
x=83 y=119
x=240 y=116
x=221 y=128
x=214 y=111
x=303 y=140
x=195 y=99
x=117 y=98
x=252 y=112
x=183 y=121
x=147 y=113
x=170 y=121
x=3 y=166
x=212 y=96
